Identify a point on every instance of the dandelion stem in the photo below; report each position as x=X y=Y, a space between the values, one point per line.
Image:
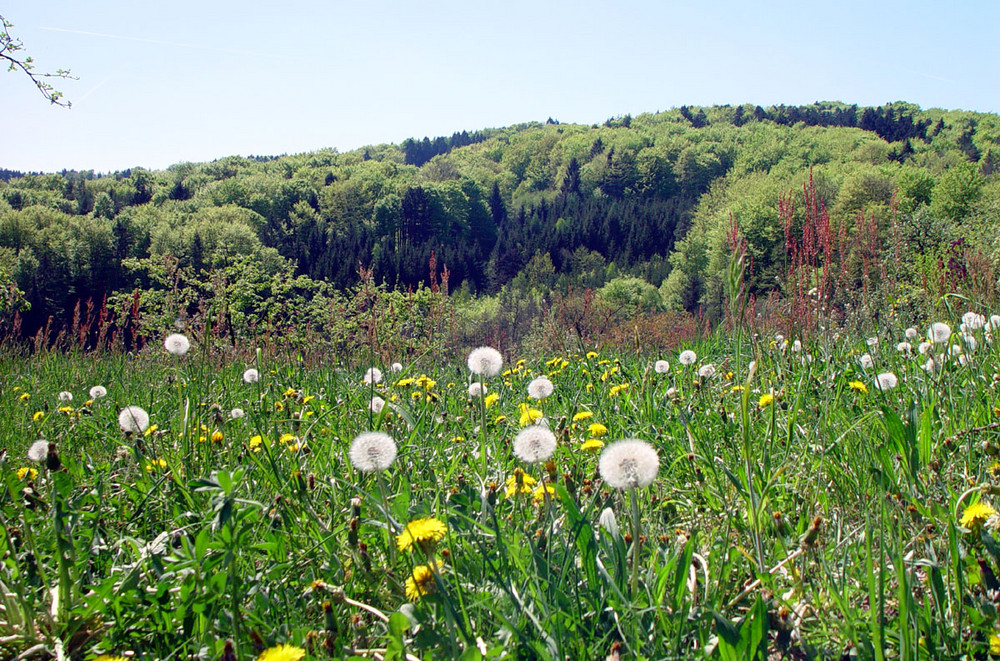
x=633 y=495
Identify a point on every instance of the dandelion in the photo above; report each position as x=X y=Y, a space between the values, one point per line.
x=939 y=332
x=904 y=348
x=973 y=321
x=976 y=514
x=372 y=376
x=477 y=389
x=133 y=419
x=421 y=581
x=796 y=346
x=970 y=342
x=629 y=464
x=30 y=473
x=251 y=376
x=108 y=657
x=706 y=371
x=519 y=483
x=924 y=347
x=529 y=415
x=255 y=442
x=597 y=429
x=23 y=397
x=765 y=400
x=886 y=381
x=592 y=445
x=396 y=368
x=872 y=342
x=218 y=436
x=38 y=451
x=236 y=414
x=282 y=653
x=866 y=361
x=995 y=644
x=858 y=386
x=535 y=443
x=540 y=388
x=97 y=392
x=541 y=493
x=176 y=344
x=38 y=416
x=911 y=333
x=425 y=533
x=491 y=399
x=65 y=396
x=661 y=367
x=687 y=357
x=582 y=415
x=485 y=362
x=376 y=405
x=672 y=392
x=372 y=451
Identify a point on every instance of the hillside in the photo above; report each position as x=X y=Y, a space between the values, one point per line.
x=533 y=207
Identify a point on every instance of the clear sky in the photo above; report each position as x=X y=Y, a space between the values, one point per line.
x=167 y=82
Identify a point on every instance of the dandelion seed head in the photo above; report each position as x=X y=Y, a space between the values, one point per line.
x=872 y=341
x=251 y=376
x=661 y=367
x=886 y=381
x=65 y=396
x=939 y=332
x=535 y=443
x=38 y=451
x=973 y=321
x=671 y=392
x=485 y=361
x=97 y=392
x=133 y=419
x=540 y=388
x=176 y=344
x=911 y=333
x=796 y=346
x=924 y=347
x=236 y=414
x=687 y=357
x=373 y=375
x=477 y=389
x=995 y=321
x=866 y=361
x=396 y=367
x=707 y=371
x=372 y=451
x=970 y=342
x=904 y=347
x=629 y=464
x=376 y=405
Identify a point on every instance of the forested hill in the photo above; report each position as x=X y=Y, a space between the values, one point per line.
x=539 y=204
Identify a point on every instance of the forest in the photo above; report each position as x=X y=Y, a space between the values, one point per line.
x=641 y=210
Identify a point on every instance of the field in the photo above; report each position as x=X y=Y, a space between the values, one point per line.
x=820 y=497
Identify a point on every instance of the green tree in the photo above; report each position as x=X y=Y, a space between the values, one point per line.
x=957 y=191
x=11 y=51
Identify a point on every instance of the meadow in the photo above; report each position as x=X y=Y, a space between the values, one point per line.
x=823 y=496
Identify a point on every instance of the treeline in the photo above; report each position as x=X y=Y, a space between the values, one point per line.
x=533 y=207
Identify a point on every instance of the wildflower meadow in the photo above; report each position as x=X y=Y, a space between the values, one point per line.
x=746 y=495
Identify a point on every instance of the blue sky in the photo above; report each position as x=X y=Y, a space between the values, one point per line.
x=162 y=83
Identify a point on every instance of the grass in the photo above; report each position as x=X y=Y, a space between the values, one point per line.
x=828 y=520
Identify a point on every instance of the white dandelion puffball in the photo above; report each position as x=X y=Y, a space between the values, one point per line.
x=376 y=405
x=939 y=332
x=236 y=414
x=629 y=464
x=535 y=443
x=477 y=389
x=796 y=346
x=779 y=338
x=973 y=320
x=866 y=361
x=970 y=342
x=65 y=396
x=661 y=367
x=251 y=376
x=872 y=341
x=97 y=392
x=886 y=381
x=373 y=375
x=687 y=357
x=38 y=451
x=904 y=347
x=485 y=361
x=133 y=419
x=176 y=344
x=671 y=392
x=911 y=333
x=540 y=388
x=706 y=371
x=372 y=451
x=924 y=347
x=995 y=321
x=955 y=350
x=396 y=367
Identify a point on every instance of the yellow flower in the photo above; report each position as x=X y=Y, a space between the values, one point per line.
x=582 y=415
x=30 y=472
x=149 y=430
x=402 y=383
x=307 y=399
x=421 y=581
x=554 y=361
x=859 y=386
x=38 y=416
x=994 y=470
x=528 y=415
x=499 y=419
x=736 y=388
x=538 y=496
x=426 y=382
x=591 y=354
x=976 y=514
x=597 y=429
x=65 y=409
x=457 y=439
x=278 y=406
x=108 y=657
x=287 y=438
x=617 y=389
x=519 y=482
x=416 y=395
x=491 y=399
x=592 y=444
x=155 y=463
x=24 y=397
x=217 y=436
x=995 y=644
x=590 y=387
x=424 y=533
x=291 y=392
x=765 y=400
x=255 y=442
x=282 y=653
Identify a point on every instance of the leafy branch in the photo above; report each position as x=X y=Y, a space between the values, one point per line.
x=10 y=47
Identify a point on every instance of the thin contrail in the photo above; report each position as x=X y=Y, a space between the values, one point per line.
x=174 y=44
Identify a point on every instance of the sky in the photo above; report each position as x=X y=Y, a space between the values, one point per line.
x=161 y=83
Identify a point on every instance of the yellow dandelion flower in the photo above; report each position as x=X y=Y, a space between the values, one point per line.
x=155 y=463
x=995 y=644
x=65 y=409
x=416 y=395
x=202 y=439
x=457 y=439
x=597 y=429
x=590 y=387
x=994 y=470
x=402 y=383
x=89 y=402
x=976 y=514
x=149 y=430
x=528 y=415
x=582 y=415
x=24 y=397
x=282 y=653
x=278 y=406
x=109 y=657
x=38 y=416
x=287 y=438
x=615 y=390
x=538 y=496
x=255 y=442
x=553 y=362
x=519 y=483
x=491 y=399
x=31 y=473
x=859 y=386
x=307 y=399
x=424 y=533
x=499 y=419
x=592 y=445
x=765 y=400
x=421 y=582
x=291 y=392
x=217 y=436
x=736 y=388
x=591 y=354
